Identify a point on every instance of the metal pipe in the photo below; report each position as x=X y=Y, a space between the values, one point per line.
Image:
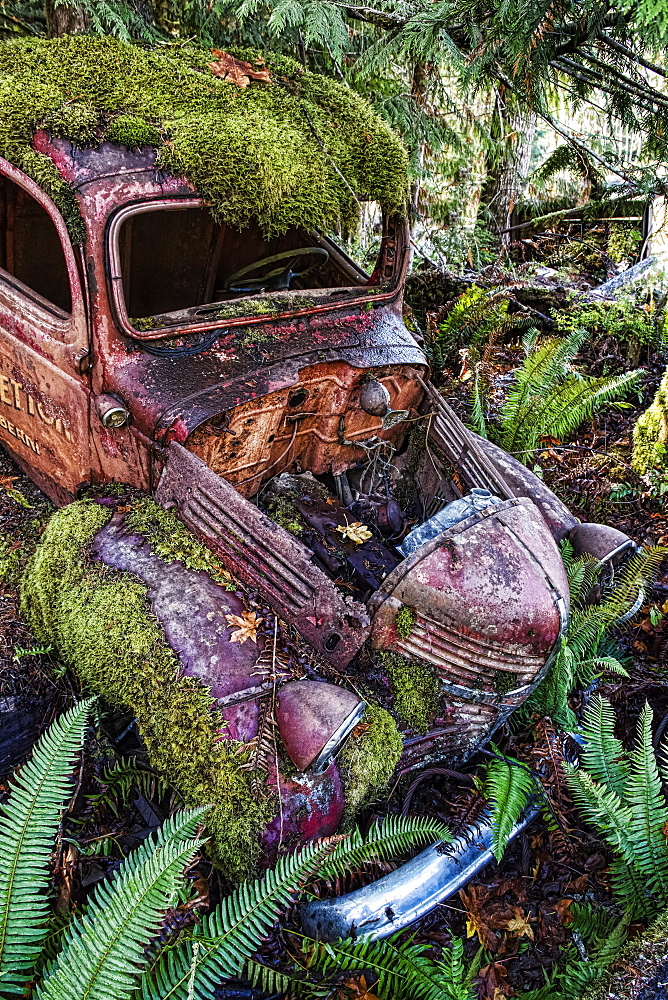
x=409 y=893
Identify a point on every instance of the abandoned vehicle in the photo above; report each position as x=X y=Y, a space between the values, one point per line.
x=245 y=374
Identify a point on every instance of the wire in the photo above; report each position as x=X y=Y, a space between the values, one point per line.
x=188 y=350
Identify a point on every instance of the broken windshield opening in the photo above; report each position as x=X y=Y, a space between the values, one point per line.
x=177 y=258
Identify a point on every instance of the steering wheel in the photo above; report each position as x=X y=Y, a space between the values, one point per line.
x=278 y=279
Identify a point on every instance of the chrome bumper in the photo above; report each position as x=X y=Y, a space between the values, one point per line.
x=410 y=892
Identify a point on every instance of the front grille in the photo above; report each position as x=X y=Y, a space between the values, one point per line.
x=481 y=669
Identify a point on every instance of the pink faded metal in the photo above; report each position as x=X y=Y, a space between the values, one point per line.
x=115 y=369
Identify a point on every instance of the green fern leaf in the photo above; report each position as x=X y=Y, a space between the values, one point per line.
x=647 y=805
x=508 y=786
x=387 y=838
x=603 y=755
x=104 y=951
x=28 y=824
x=403 y=971
x=226 y=938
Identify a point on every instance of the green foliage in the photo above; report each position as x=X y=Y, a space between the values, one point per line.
x=622 y=319
x=108 y=951
x=623 y=243
x=508 y=786
x=621 y=795
x=650 y=434
x=99 y=622
x=29 y=820
x=550 y=398
x=404 y=622
x=103 y=952
x=587 y=650
x=170 y=540
x=369 y=758
x=415 y=687
x=404 y=971
x=272 y=152
x=387 y=838
x=478 y=316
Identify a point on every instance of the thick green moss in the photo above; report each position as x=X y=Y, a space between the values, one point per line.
x=369 y=758
x=404 y=622
x=273 y=152
x=170 y=539
x=98 y=621
x=650 y=435
x=415 y=688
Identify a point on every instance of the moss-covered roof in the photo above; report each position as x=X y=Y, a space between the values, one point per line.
x=276 y=152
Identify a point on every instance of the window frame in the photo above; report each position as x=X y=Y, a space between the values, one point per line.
x=62 y=326
x=113 y=267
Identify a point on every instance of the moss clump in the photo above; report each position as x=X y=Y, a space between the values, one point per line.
x=650 y=434
x=281 y=510
x=404 y=622
x=273 y=152
x=415 y=688
x=98 y=621
x=369 y=758
x=170 y=540
x=132 y=131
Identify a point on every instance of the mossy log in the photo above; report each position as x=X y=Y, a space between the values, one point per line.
x=650 y=435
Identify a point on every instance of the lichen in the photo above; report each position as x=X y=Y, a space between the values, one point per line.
x=272 y=152
x=98 y=620
x=650 y=434
x=415 y=688
x=368 y=759
x=404 y=622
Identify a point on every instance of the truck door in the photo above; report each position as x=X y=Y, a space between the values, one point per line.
x=43 y=340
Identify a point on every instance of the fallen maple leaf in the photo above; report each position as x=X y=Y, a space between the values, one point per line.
x=246 y=626
x=359 y=989
x=356 y=532
x=518 y=924
x=236 y=70
x=474 y=899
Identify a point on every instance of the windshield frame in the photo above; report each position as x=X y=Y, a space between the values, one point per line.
x=357 y=294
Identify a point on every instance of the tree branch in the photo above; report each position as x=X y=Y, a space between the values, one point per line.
x=630 y=54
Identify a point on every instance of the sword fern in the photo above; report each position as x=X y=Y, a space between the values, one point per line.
x=28 y=824
x=621 y=795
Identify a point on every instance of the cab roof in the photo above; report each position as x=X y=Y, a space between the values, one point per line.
x=259 y=137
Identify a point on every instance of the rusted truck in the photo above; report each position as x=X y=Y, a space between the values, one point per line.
x=227 y=374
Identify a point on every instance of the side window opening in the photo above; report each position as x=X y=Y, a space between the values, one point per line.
x=30 y=247
x=177 y=258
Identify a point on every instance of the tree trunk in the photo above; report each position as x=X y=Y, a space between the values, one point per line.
x=514 y=128
x=65 y=20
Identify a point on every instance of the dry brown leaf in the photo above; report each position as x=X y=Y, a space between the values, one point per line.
x=355 y=532
x=236 y=70
x=518 y=924
x=246 y=626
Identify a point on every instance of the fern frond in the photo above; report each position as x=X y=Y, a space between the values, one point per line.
x=387 y=838
x=104 y=951
x=275 y=983
x=638 y=572
x=603 y=754
x=508 y=786
x=28 y=824
x=226 y=938
x=403 y=971
x=604 y=809
x=647 y=805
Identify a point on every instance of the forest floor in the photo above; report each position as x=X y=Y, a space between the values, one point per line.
x=517 y=912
